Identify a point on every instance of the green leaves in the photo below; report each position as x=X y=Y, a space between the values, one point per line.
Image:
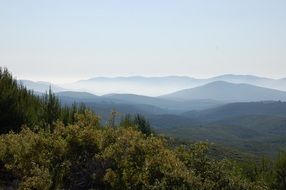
x=138 y=122
x=86 y=157
x=19 y=106
x=280 y=172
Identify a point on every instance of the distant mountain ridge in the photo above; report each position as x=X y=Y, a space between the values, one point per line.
x=202 y=97
x=41 y=86
x=151 y=86
x=225 y=91
x=170 y=106
x=76 y=95
x=155 y=86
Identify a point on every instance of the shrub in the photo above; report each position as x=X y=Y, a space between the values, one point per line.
x=89 y=157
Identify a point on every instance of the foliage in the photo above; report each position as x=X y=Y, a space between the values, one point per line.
x=280 y=172
x=85 y=157
x=138 y=121
x=19 y=106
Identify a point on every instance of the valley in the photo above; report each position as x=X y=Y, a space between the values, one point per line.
x=236 y=115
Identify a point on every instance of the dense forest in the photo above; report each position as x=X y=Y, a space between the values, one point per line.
x=45 y=145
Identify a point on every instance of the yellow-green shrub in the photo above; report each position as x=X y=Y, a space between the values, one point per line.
x=85 y=156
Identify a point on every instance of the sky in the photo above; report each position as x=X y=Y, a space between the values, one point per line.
x=67 y=40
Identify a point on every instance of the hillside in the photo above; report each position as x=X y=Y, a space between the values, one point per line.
x=278 y=84
x=255 y=127
x=224 y=91
x=79 y=96
x=167 y=106
x=148 y=86
x=274 y=108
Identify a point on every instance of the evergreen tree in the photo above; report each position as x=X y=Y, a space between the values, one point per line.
x=138 y=121
x=18 y=106
x=52 y=108
x=142 y=124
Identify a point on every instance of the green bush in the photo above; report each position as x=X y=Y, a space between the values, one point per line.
x=280 y=172
x=86 y=156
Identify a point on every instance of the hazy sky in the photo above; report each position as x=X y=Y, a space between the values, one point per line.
x=65 y=40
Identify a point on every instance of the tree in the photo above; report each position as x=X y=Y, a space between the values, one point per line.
x=112 y=117
x=142 y=124
x=18 y=106
x=52 y=108
x=138 y=121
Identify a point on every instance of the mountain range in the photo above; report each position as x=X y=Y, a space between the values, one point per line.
x=233 y=113
x=254 y=127
x=230 y=92
x=155 y=86
x=206 y=96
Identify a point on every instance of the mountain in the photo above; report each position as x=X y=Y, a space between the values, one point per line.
x=232 y=110
x=160 y=121
x=104 y=109
x=169 y=106
x=278 y=84
x=225 y=91
x=40 y=86
x=135 y=99
x=77 y=95
x=172 y=105
x=144 y=80
x=266 y=139
x=148 y=86
x=155 y=86
x=255 y=127
x=239 y=78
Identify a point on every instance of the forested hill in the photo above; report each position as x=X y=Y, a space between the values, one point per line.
x=270 y=108
x=46 y=146
x=20 y=106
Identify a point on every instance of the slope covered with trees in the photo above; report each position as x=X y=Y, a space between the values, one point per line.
x=20 y=106
x=255 y=127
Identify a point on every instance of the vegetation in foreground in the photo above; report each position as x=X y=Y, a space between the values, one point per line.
x=46 y=146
